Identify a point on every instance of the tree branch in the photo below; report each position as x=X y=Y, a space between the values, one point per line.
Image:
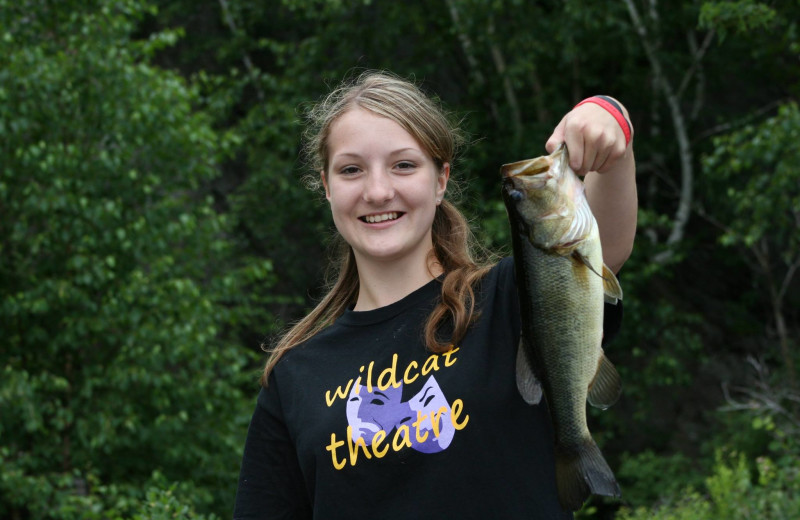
x=698 y=55
x=542 y=114
x=466 y=44
x=468 y=49
x=787 y=279
x=763 y=397
x=248 y=63
x=727 y=127
x=508 y=89
x=681 y=217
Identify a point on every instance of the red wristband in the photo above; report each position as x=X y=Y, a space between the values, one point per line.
x=614 y=110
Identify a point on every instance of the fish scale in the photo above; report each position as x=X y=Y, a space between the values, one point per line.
x=562 y=285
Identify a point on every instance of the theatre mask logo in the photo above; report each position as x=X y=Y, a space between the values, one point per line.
x=379 y=420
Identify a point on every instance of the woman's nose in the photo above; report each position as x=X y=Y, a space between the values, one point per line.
x=378 y=187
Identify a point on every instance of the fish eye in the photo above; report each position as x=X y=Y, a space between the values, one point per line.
x=516 y=195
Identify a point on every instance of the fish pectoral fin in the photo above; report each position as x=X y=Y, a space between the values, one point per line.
x=527 y=383
x=611 y=287
x=612 y=291
x=606 y=387
x=578 y=257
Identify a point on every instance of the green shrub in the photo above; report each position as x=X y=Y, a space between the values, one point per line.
x=733 y=493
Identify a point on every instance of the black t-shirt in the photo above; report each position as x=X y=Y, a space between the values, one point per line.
x=362 y=421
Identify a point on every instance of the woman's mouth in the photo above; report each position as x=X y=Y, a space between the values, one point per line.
x=381 y=217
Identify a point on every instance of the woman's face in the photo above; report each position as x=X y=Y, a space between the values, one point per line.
x=383 y=188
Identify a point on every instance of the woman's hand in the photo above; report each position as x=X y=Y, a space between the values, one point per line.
x=598 y=150
x=594 y=138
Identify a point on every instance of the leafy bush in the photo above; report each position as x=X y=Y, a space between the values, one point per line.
x=647 y=477
x=732 y=493
x=116 y=356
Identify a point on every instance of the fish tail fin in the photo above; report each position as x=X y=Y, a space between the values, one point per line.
x=582 y=473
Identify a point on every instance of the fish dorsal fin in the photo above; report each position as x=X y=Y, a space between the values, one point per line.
x=605 y=388
x=527 y=383
x=611 y=287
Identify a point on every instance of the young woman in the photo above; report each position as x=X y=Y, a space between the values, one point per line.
x=396 y=396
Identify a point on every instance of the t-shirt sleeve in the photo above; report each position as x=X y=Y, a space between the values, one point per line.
x=270 y=481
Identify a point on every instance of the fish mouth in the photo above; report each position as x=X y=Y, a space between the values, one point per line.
x=528 y=167
x=377 y=218
x=540 y=166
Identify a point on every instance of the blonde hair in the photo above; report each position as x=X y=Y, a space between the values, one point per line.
x=454 y=246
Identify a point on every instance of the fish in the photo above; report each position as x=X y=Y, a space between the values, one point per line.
x=562 y=285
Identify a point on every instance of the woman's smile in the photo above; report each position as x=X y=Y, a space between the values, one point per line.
x=382 y=217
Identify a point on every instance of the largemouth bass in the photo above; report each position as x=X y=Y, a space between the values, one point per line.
x=562 y=284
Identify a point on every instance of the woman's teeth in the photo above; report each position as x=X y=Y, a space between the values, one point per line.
x=373 y=219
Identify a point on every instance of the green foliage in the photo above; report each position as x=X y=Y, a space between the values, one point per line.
x=78 y=496
x=741 y=16
x=647 y=477
x=163 y=501
x=731 y=492
x=758 y=165
x=119 y=288
x=153 y=229
x=755 y=171
x=753 y=472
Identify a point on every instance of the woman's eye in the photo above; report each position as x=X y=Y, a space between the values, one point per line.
x=405 y=165
x=349 y=170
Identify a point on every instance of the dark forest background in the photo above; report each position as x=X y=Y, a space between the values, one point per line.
x=154 y=231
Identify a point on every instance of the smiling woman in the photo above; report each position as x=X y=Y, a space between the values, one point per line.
x=383 y=189
x=401 y=381
x=400 y=108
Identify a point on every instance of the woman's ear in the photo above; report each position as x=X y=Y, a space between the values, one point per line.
x=325 y=184
x=441 y=182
